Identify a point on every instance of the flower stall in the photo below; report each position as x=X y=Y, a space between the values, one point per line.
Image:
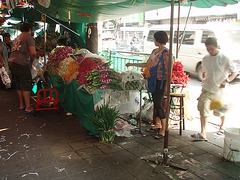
x=79 y=77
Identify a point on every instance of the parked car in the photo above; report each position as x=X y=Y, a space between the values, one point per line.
x=193 y=49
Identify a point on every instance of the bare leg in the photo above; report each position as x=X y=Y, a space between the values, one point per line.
x=157 y=125
x=26 y=97
x=203 y=125
x=164 y=122
x=20 y=99
x=223 y=121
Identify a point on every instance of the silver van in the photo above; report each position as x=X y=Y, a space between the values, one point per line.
x=193 y=49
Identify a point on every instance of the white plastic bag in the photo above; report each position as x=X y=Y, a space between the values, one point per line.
x=123 y=128
x=132 y=106
x=131 y=80
x=5 y=77
x=36 y=70
x=220 y=104
x=87 y=54
x=147 y=110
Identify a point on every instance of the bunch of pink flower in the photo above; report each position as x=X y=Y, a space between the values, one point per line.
x=84 y=68
x=61 y=53
x=54 y=59
x=103 y=77
x=103 y=87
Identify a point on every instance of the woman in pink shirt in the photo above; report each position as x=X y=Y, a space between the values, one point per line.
x=158 y=62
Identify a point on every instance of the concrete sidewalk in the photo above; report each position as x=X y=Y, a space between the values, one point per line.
x=53 y=146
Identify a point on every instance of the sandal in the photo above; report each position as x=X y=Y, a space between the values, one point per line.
x=159 y=136
x=153 y=130
x=29 y=112
x=220 y=132
x=198 y=137
x=22 y=108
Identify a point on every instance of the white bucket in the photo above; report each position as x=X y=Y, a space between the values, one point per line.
x=231 y=148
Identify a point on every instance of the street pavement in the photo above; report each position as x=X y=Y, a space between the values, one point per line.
x=53 y=146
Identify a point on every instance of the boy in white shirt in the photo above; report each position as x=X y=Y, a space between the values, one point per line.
x=218 y=70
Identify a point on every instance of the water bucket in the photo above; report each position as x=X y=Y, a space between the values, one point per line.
x=231 y=148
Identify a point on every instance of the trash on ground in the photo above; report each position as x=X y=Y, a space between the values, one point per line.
x=4 y=129
x=26 y=134
x=25 y=146
x=44 y=124
x=2 y=139
x=69 y=157
x=60 y=169
x=123 y=128
x=10 y=155
x=31 y=173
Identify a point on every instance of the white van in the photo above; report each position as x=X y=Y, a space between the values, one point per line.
x=193 y=49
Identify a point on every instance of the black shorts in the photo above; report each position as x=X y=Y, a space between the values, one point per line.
x=22 y=76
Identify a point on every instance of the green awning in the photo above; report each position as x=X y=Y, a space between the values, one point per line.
x=109 y=9
x=90 y=11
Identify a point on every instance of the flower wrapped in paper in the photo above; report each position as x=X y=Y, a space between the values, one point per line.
x=131 y=80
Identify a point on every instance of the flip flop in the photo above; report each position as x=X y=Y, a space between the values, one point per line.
x=159 y=136
x=220 y=132
x=198 y=137
x=22 y=108
x=29 y=112
x=153 y=130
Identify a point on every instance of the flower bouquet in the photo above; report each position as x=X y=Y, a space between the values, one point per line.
x=102 y=78
x=85 y=66
x=68 y=69
x=178 y=75
x=56 y=56
x=104 y=121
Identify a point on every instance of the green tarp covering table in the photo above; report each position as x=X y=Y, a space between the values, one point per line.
x=76 y=101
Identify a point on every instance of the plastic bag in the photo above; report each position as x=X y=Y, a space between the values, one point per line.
x=131 y=80
x=220 y=104
x=147 y=110
x=132 y=106
x=88 y=55
x=123 y=128
x=124 y=101
x=5 y=77
x=36 y=70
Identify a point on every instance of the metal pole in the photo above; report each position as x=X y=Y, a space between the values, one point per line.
x=185 y=26
x=177 y=50
x=44 y=40
x=140 y=112
x=165 y=150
